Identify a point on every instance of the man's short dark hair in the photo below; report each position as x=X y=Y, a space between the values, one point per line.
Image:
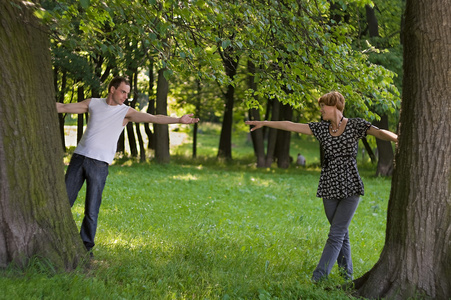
x=116 y=82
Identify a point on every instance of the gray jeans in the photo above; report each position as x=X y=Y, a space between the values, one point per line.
x=339 y=212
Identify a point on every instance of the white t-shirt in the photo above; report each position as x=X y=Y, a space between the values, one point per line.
x=102 y=133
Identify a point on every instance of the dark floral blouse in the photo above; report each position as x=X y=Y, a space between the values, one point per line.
x=339 y=175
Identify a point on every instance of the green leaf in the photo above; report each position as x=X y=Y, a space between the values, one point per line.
x=85 y=3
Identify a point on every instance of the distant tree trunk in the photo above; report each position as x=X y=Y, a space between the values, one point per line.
x=225 y=141
x=142 y=150
x=80 y=125
x=272 y=134
x=369 y=150
x=284 y=138
x=384 y=148
x=254 y=114
x=371 y=19
x=416 y=259
x=161 y=131
x=150 y=108
x=35 y=214
x=197 y=113
x=384 y=151
x=60 y=99
x=130 y=128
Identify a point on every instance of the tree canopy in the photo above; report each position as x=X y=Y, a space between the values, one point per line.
x=299 y=51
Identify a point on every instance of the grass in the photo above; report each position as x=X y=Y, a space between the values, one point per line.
x=195 y=229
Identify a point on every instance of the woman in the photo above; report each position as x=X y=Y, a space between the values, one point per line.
x=340 y=185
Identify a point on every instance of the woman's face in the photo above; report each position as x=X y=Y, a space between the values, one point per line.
x=327 y=112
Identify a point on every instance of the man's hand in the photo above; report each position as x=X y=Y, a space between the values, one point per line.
x=186 y=119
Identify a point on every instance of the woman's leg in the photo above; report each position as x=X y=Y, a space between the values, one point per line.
x=339 y=213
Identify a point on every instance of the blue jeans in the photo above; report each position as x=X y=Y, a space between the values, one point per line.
x=339 y=212
x=95 y=172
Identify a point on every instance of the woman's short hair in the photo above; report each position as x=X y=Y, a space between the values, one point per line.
x=332 y=99
x=116 y=82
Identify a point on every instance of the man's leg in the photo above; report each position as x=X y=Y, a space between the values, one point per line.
x=74 y=177
x=96 y=174
x=339 y=213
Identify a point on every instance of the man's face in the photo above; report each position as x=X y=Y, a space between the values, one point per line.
x=120 y=94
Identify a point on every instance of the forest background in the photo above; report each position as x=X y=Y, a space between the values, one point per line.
x=228 y=61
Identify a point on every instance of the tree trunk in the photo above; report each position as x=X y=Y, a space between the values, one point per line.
x=256 y=136
x=150 y=108
x=161 y=130
x=258 y=139
x=369 y=150
x=284 y=138
x=225 y=140
x=60 y=98
x=197 y=114
x=384 y=151
x=384 y=148
x=80 y=120
x=130 y=128
x=35 y=214
x=142 y=150
x=416 y=258
x=272 y=134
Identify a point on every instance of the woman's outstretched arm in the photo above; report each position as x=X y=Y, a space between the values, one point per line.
x=283 y=125
x=382 y=134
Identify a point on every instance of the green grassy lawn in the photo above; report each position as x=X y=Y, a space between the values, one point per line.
x=198 y=229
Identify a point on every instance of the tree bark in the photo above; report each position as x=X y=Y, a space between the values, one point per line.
x=35 y=214
x=225 y=140
x=80 y=119
x=416 y=258
x=161 y=130
x=142 y=149
x=384 y=151
x=197 y=114
x=384 y=148
x=150 y=108
x=272 y=134
x=256 y=136
x=60 y=98
x=284 y=138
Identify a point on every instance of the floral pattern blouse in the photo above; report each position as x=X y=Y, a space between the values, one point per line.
x=339 y=175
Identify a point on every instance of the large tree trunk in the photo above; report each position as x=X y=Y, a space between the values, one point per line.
x=161 y=130
x=35 y=214
x=416 y=258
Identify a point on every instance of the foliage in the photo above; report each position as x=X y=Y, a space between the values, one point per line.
x=294 y=44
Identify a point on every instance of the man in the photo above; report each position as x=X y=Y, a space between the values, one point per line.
x=300 y=161
x=97 y=147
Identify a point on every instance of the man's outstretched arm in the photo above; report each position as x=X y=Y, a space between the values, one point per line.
x=142 y=117
x=73 y=108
